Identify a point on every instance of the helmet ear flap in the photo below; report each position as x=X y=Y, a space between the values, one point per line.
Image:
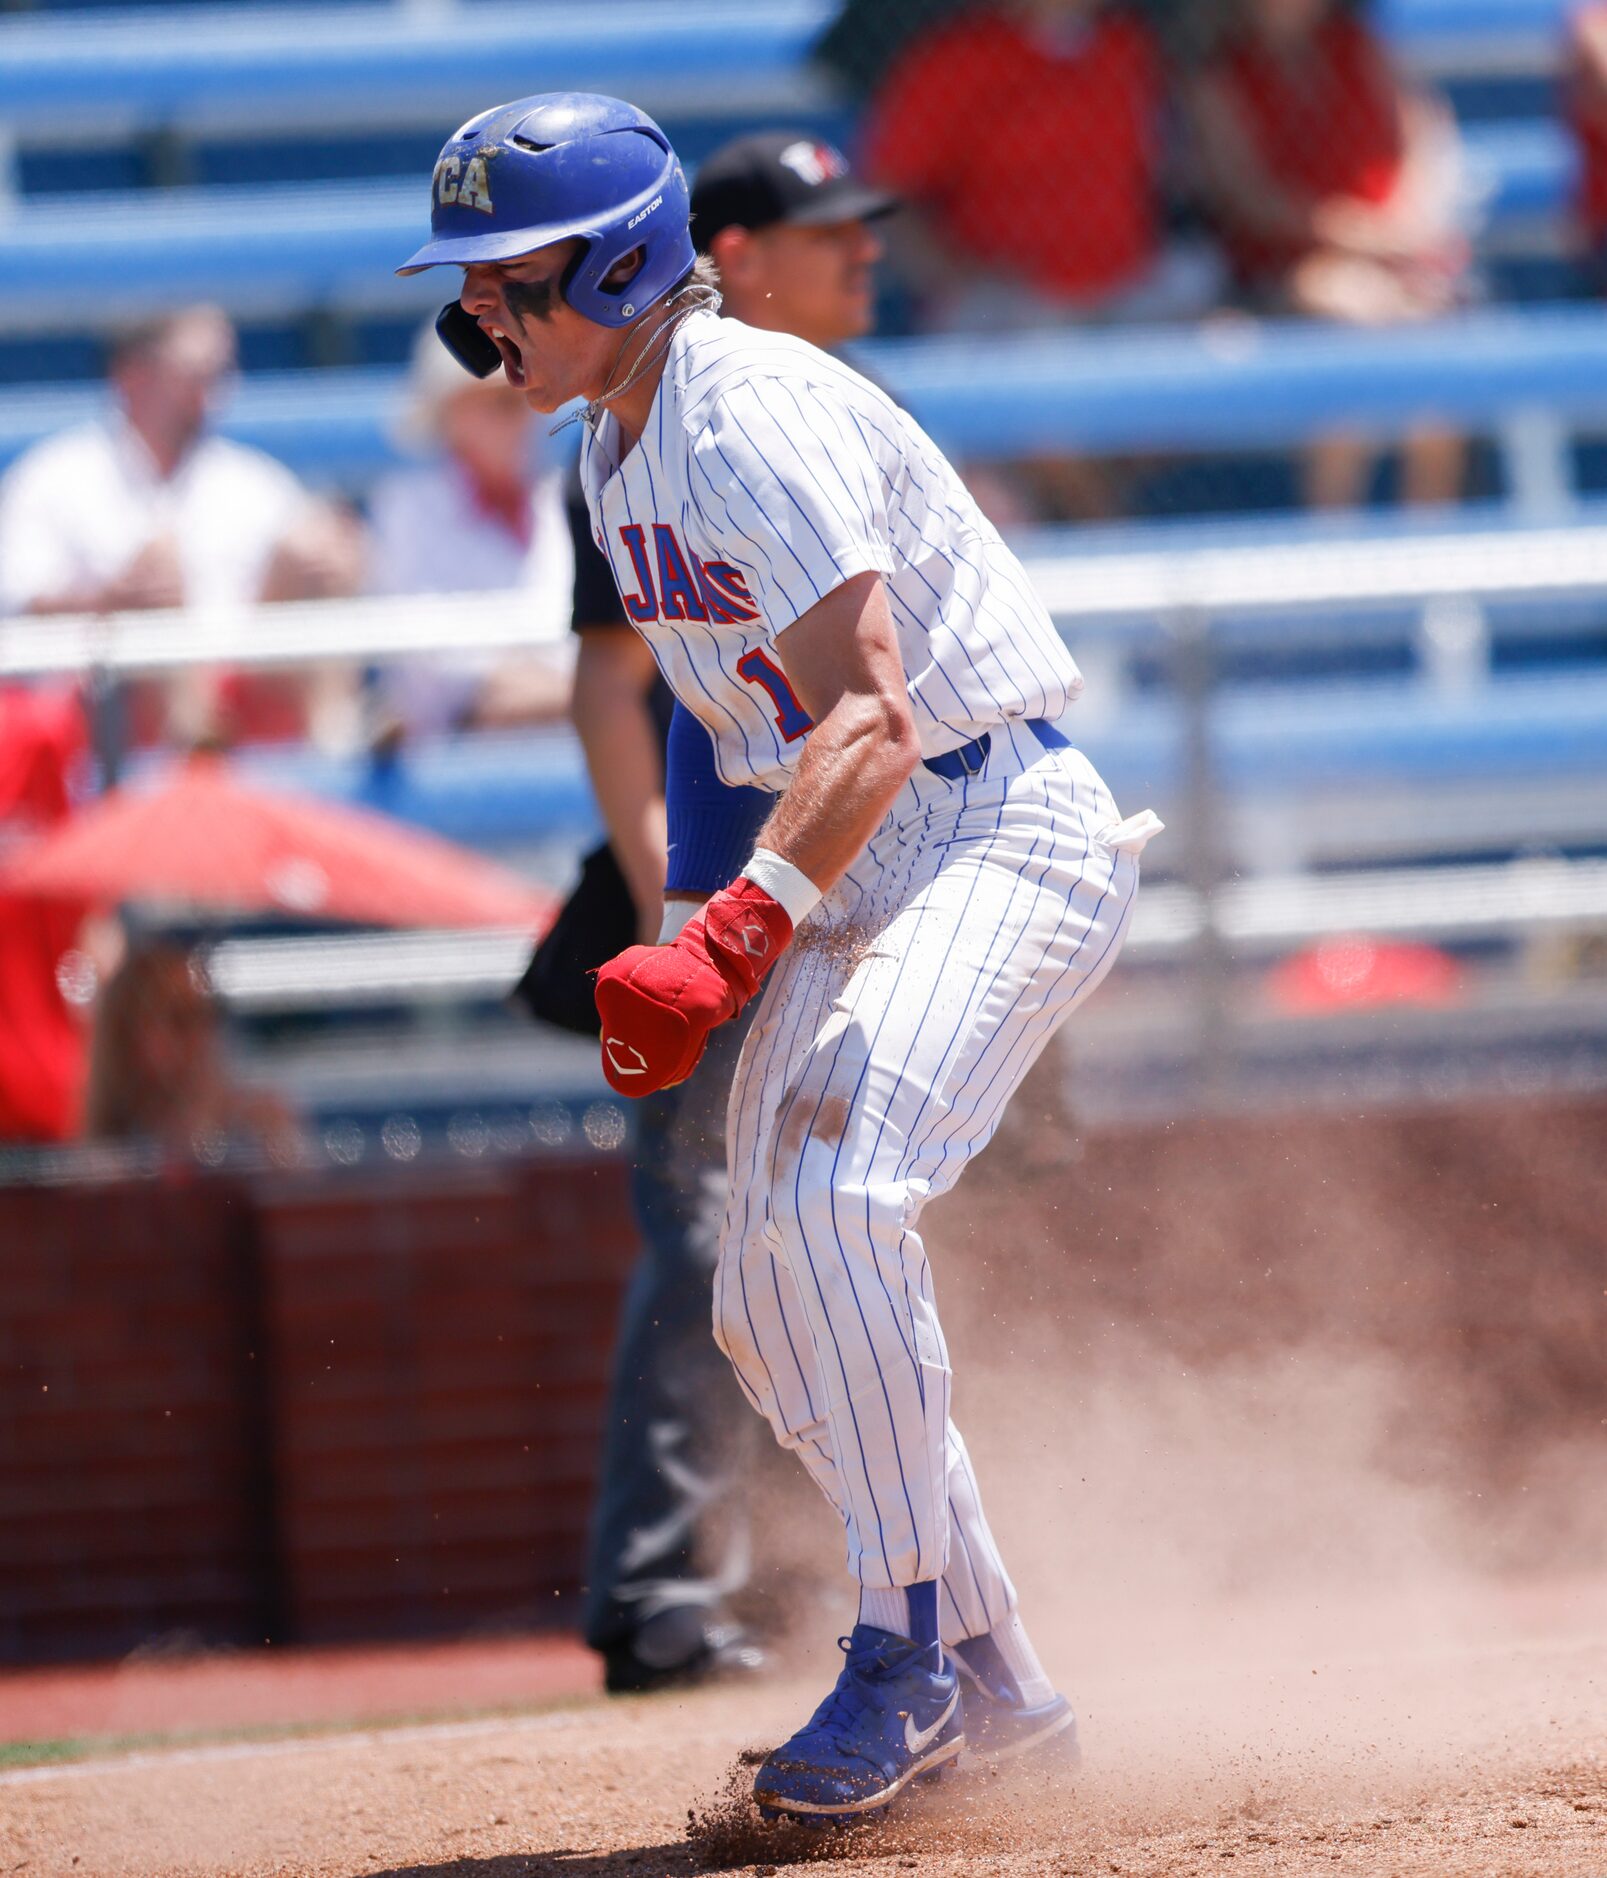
x=461 y=333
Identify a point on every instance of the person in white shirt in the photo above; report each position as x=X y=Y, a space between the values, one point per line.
x=482 y=513
x=147 y=507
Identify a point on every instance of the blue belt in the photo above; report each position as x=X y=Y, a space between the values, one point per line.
x=956 y=765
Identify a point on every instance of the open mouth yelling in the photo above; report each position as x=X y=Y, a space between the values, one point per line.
x=512 y=358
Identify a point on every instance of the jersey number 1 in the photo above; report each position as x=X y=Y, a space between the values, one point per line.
x=792 y=720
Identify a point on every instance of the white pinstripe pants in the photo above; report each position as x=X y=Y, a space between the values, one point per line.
x=891 y=1036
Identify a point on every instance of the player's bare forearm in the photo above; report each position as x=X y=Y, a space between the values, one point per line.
x=843 y=661
x=658 y=1004
x=612 y=716
x=844 y=785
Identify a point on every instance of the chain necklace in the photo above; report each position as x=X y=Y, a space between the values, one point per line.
x=697 y=298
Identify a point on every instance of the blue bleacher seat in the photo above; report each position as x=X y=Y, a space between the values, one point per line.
x=273 y=253
x=492 y=790
x=1244 y=384
x=42 y=358
x=1475 y=35
x=270 y=249
x=1521 y=172
x=65 y=173
x=1237 y=386
x=280 y=248
x=379 y=64
x=326 y=243
x=138 y=66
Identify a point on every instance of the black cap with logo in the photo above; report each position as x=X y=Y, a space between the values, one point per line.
x=779 y=176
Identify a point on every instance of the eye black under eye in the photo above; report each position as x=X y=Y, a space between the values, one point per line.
x=532 y=299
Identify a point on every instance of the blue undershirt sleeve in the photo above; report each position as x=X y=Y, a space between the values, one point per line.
x=712 y=826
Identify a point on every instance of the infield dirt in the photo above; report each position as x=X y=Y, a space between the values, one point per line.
x=1475 y=1748
x=1280 y=1654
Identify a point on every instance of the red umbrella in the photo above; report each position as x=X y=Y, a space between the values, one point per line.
x=203 y=837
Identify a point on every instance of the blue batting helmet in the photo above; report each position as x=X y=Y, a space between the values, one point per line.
x=566 y=165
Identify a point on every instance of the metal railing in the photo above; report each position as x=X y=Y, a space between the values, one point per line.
x=347 y=971
x=1116 y=592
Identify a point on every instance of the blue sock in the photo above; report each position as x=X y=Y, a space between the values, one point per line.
x=923 y=1611
x=905 y=1610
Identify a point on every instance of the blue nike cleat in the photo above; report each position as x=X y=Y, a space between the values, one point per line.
x=892 y=1718
x=999 y=1726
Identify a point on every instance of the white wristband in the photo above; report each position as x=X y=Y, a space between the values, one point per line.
x=676 y=914
x=786 y=884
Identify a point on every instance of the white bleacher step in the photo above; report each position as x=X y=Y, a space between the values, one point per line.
x=1442 y=904
x=1234 y=386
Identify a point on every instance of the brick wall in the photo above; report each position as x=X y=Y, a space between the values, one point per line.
x=318 y=1409
x=128 y=1481
x=334 y=1407
x=440 y=1359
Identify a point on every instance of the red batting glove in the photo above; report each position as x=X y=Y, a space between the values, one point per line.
x=659 y=1003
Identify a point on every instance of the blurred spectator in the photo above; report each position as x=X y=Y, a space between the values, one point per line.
x=867 y=35
x=41 y=1039
x=787 y=224
x=1587 y=112
x=483 y=514
x=147 y=508
x=1336 y=191
x=1026 y=136
x=156 y=1069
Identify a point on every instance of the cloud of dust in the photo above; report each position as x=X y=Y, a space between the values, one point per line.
x=1292 y=1447
x=1281 y=1569
x=1270 y=1575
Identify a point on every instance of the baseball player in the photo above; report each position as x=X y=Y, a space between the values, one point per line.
x=942 y=880
x=787 y=224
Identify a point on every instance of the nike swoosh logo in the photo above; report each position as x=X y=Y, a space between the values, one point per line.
x=917 y=1738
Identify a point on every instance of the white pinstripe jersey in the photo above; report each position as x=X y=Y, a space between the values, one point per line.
x=768 y=474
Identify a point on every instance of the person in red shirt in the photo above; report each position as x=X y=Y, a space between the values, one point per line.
x=1586 y=96
x=1335 y=190
x=1025 y=136
x=42 y=1043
